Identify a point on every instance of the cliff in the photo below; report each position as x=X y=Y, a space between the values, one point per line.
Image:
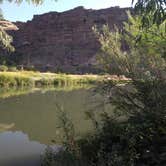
x=63 y=41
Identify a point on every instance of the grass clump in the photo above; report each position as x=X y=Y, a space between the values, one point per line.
x=8 y=80
x=24 y=81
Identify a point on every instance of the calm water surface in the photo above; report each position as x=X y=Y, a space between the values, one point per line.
x=29 y=122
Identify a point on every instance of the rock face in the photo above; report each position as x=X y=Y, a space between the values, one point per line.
x=63 y=41
x=7 y=25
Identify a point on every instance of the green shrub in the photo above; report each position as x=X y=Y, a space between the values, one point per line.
x=60 y=158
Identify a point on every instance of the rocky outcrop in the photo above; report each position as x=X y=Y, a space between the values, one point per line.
x=63 y=41
x=7 y=26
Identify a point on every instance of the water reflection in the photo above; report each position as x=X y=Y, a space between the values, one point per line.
x=36 y=114
x=6 y=93
x=28 y=122
x=17 y=150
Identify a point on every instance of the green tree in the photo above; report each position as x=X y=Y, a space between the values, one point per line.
x=146 y=49
x=152 y=11
x=142 y=101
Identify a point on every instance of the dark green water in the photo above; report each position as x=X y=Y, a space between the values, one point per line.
x=29 y=121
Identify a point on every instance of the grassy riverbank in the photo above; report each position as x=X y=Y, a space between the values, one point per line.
x=36 y=79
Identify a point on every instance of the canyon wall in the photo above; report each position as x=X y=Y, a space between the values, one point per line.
x=63 y=42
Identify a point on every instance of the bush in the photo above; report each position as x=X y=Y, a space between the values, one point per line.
x=145 y=54
x=60 y=158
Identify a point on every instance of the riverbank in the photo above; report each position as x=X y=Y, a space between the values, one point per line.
x=37 y=79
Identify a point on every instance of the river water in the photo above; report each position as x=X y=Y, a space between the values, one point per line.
x=29 y=121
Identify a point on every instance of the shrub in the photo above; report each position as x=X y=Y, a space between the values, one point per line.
x=60 y=158
x=145 y=54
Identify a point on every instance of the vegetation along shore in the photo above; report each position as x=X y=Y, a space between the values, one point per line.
x=37 y=79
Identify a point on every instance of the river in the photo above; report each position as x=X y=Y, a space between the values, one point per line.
x=29 y=121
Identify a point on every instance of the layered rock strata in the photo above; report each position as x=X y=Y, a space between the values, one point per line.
x=63 y=42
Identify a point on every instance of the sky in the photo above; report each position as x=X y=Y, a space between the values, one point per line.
x=25 y=11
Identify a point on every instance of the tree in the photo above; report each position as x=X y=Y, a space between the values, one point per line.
x=146 y=53
x=152 y=11
x=143 y=99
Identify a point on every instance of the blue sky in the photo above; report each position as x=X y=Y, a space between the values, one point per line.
x=25 y=11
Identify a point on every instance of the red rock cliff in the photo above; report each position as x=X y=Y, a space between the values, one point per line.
x=63 y=41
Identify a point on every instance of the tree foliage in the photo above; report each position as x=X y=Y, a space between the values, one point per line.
x=140 y=139
x=152 y=11
x=5 y=40
x=146 y=49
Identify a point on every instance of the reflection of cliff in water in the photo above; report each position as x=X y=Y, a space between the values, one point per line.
x=36 y=114
x=18 y=150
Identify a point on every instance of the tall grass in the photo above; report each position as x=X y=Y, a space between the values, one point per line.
x=36 y=79
x=9 y=80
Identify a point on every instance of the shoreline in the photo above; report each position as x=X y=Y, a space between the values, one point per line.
x=37 y=79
